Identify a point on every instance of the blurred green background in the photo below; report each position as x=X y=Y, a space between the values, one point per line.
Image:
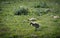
x=13 y=25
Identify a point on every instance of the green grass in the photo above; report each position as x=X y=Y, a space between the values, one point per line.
x=14 y=26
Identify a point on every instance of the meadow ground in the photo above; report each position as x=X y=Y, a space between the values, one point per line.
x=17 y=26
